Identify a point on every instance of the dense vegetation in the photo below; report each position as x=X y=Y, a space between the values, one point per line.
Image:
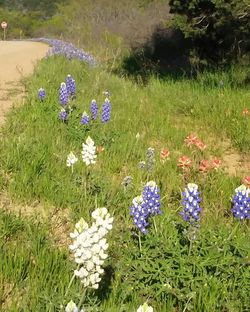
x=166 y=267
x=218 y=30
x=176 y=266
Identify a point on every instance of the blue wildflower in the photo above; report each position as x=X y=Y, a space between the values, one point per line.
x=151 y=198
x=145 y=206
x=191 y=204
x=106 y=110
x=41 y=94
x=63 y=94
x=140 y=214
x=85 y=119
x=241 y=203
x=94 y=109
x=71 y=85
x=63 y=115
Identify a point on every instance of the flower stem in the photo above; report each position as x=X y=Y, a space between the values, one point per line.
x=82 y=298
x=155 y=226
x=70 y=283
x=139 y=236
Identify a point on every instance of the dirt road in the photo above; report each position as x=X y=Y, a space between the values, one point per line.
x=17 y=60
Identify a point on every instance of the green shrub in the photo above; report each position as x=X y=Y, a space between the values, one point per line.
x=219 y=30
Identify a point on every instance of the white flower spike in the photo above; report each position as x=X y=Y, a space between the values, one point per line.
x=71 y=159
x=89 y=247
x=89 y=152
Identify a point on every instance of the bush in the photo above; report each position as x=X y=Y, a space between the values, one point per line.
x=219 y=30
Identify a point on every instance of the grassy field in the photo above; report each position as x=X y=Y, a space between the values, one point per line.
x=42 y=198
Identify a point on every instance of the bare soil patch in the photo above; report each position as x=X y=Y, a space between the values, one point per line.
x=17 y=60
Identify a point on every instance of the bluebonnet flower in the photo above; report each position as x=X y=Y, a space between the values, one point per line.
x=85 y=119
x=191 y=204
x=63 y=115
x=145 y=206
x=241 y=203
x=68 y=50
x=151 y=198
x=41 y=94
x=71 y=86
x=63 y=94
x=140 y=214
x=94 y=109
x=106 y=110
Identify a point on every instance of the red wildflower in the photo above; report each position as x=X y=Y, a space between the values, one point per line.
x=216 y=163
x=204 y=165
x=164 y=154
x=191 y=139
x=245 y=112
x=200 y=145
x=184 y=162
x=246 y=181
x=100 y=149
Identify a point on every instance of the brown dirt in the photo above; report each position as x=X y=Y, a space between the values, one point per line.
x=17 y=60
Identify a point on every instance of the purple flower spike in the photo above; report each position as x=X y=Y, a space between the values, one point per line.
x=106 y=110
x=41 y=94
x=151 y=198
x=145 y=206
x=71 y=85
x=85 y=119
x=63 y=115
x=241 y=203
x=191 y=204
x=94 y=109
x=140 y=214
x=63 y=94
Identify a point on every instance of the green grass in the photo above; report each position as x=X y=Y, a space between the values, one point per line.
x=210 y=274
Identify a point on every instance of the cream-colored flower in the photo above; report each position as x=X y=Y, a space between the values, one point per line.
x=71 y=159
x=89 y=152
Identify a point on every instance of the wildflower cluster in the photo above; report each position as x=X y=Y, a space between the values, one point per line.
x=105 y=112
x=191 y=204
x=67 y=91
x=241 y=203
x=89 y=247
x=193 y=140
x=68 y=50
x=206 y=165
x=145 y=206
